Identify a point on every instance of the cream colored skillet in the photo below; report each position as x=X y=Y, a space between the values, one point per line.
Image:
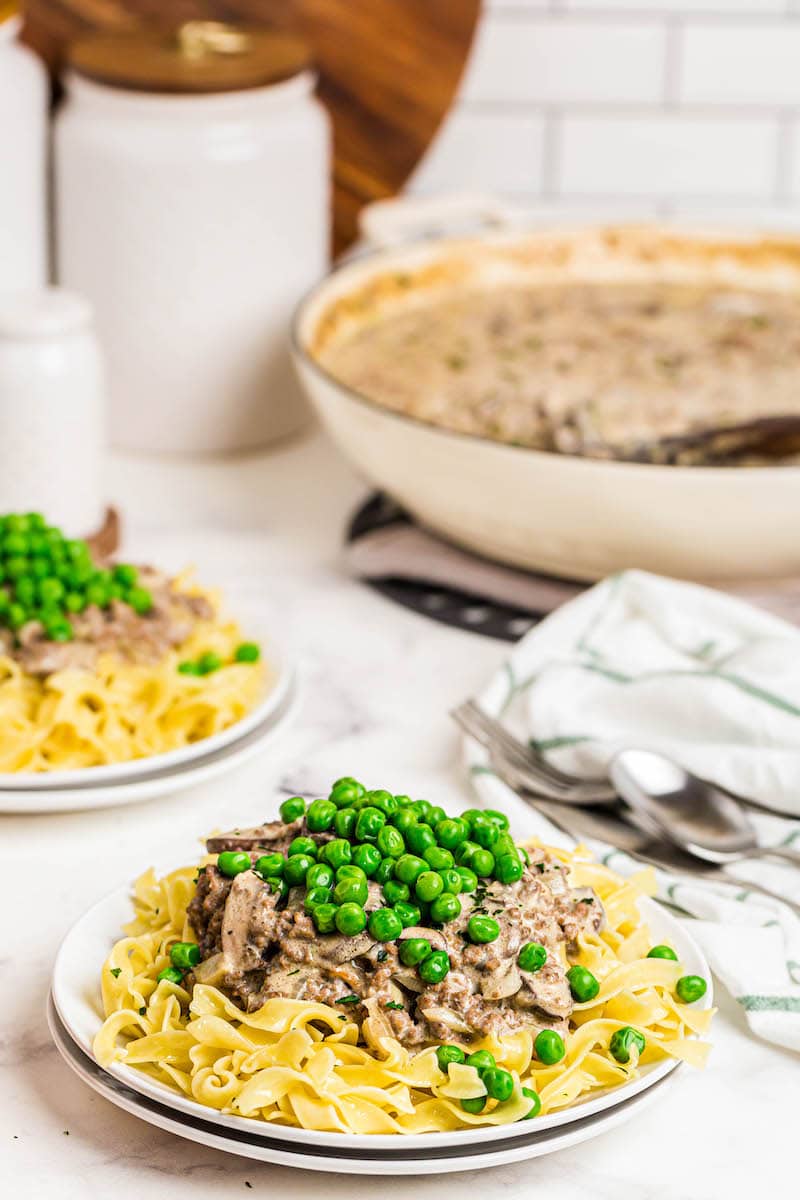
x=579 y=518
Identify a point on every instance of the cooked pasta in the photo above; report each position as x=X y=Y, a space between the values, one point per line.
x=118 y=710
x=306 y=1064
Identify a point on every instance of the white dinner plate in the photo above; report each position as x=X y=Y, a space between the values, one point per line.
x=157 y=783
x=529 y=1140
x=76 y=994
x=277 y=684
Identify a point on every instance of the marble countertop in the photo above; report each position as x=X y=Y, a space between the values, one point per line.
x=377 y=685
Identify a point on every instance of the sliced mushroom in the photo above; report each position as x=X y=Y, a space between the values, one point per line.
x=498 y=985
x=408 y=978
x=212 y=971
x=247 y=891
x=252 y=839
x=433 y=936
x=343 y=949
x=436 y=1013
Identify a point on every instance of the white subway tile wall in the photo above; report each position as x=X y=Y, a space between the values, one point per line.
x=576 y=108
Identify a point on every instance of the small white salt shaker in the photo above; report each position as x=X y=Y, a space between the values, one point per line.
x=52 y=418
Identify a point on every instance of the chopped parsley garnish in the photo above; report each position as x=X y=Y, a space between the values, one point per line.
x=142 y=1010
x=351 y=999
x=294 y=972
x=540 y=867
x=395 y=1005
x=116 y=971
x=382 y=955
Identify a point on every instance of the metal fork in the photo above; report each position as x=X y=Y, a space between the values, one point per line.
x=527 y=768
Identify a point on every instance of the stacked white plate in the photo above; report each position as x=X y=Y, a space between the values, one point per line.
x=75 y=1016
x=162 y=774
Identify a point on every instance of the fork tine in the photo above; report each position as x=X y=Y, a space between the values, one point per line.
x=516 y=749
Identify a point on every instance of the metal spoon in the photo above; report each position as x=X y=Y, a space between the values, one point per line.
x=691 y=813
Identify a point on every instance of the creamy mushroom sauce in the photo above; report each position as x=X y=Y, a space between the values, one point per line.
x=600 y=369
x=255 y=944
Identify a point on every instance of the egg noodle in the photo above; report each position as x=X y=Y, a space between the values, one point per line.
x=304 y=1064
x=118 y=710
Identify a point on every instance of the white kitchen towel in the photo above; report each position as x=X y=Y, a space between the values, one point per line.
x=651 y=662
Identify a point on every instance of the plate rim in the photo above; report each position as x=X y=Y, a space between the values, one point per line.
x=81 y=778
x=73 y=1007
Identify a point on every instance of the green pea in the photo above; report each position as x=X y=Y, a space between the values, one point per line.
x=276 y=884
x=470 y=815
x=17 y=616
x=97 y=594
x=437 y=858
x=50 y=590
x=421 y=810
x=320 y=815
x=383 y=800
x=324 y=918
x=15 y=544
x=403 y=801
x=504 y=845
x=436 y=815
x=184 y=955
x=486 y=835
x=435 y=967
x=449 y=1054
x=25 y=590
x=292 y=809
x=662 y=951
x=318 y=876
x=59 y=630
x=690 y=988
x=481 y=1060
x=233 y=862
x=74 y=602
x=482 y=862
x=464 y=852
x=623 y=1041
x=536 y=1103
x=582 y=984
x=428 y=886
x=345 y=822
x=451 y=878
x=445 y=908
x=315 y=896
x=549 y=1047
x=207 y=663
x=523 y=853
x=247 y=652
x=469 y=880
x=499 y=1083
x=497 y=818
x=344 y=779
x=367 y=857
x=390 y=842
x=420 y=838
x=369 y=823
x=350 y=919
x=403 y=820
x=483 y=929
x=17 y=567
x=351 y=871
x=296 y=868
x=385 y=871
x=414 y=951
x=302 y=845
x=508 y=868
x=351 y=891
x=408 y=913
x=532 y=957
x=123 y=573
x=474 y=1106
x=394 y=891
x=385 y=925
x=140 y=600
x=171 y=975
x=269 y=864
x=337 y=853
x=346 y=792
x=451 y=832
x=408 y=867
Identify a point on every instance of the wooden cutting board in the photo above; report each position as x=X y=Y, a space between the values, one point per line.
x=388 y=71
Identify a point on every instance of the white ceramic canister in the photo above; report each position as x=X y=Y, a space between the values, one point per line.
x=192 y=208
x=24 y=98
x=52 y=426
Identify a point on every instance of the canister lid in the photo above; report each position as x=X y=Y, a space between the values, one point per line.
x=199 y=56
x=44 y=313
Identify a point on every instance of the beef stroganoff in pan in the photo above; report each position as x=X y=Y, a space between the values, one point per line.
x=369 y=964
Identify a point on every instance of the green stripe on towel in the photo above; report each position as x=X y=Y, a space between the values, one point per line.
x=770 y=1003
